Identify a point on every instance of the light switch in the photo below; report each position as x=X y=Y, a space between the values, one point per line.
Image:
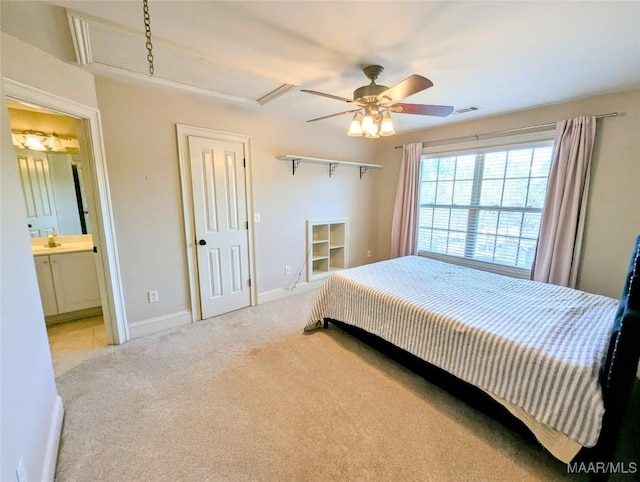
x=152 y=296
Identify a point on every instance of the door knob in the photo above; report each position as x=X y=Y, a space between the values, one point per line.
x=30 y=225
x=202 y=242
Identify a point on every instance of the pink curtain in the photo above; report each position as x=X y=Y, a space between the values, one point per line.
x=560 y=241
x=404 y=230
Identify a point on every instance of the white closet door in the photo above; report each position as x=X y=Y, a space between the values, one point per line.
x=220 y=210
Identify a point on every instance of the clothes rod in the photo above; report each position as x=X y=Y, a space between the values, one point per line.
x=504 y=131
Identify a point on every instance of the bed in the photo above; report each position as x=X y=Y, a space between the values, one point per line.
x=560 y=360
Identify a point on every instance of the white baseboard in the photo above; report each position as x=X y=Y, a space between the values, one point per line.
x=161 y=323
x=73 y=315
x=278 y=293
x=53 y=441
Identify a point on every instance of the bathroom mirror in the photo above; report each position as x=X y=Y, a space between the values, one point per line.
x=50 y=166
x=54 y=194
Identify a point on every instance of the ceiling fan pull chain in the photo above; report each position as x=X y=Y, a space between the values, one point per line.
x=147 y=29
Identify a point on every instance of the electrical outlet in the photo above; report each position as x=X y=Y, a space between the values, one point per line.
x=21 y=472
x=153 y=296
x=287 y=270
x=368 y=253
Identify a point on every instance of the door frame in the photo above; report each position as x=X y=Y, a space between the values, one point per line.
x=183 y=132
x=98 y=200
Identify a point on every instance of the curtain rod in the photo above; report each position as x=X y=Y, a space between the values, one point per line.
x=504 y=131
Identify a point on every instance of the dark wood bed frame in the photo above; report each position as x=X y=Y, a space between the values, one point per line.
x=617 y=374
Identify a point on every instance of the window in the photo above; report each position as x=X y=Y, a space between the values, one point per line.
x=484 y=205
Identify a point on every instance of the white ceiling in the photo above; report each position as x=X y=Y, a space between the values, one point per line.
x=501 y=56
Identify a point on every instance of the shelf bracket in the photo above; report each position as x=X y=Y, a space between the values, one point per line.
x=332 y=168
x=363 y=169
x=294 y=165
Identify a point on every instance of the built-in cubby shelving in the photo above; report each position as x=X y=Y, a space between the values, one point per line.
x=327 y=247
x=333 y=164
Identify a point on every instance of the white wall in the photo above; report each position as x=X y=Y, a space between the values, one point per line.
x=30 y=407
x=31 y=66
x=613 y=213
x=141 y=148
x=28 y=392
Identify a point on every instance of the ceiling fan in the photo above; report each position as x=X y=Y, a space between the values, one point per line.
x=375 y=103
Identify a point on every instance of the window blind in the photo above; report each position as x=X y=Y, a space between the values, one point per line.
x=484 y=205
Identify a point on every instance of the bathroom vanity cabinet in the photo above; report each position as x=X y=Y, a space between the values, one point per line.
x=68 y=282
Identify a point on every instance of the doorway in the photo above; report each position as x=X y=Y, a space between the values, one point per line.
x=50 y=165
x=215 y=171
x=104 y=259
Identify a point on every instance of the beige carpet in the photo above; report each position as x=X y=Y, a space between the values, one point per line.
x=248 y=396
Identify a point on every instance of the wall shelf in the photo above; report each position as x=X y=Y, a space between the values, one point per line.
x=333 y=164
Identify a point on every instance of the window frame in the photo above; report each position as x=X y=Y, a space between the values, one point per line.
x=537 y=139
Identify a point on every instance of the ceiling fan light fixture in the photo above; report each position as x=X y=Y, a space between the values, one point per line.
x=372 y=132
x=386 y=125
x=377 y=101
x=367 y=122
x=355 y=127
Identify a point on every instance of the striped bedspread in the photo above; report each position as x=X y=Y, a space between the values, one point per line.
x=535 y=345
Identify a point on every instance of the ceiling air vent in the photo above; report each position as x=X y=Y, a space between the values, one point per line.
x=464 y=110
x=283 y=89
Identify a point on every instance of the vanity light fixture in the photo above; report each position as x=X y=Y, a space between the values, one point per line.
x=42 y=141
x=55 y=143
x=33 y=142
x=16 y=142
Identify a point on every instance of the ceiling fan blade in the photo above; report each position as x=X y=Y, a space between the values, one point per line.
x=409 y=86
x=422 y=109
x=333 y=115
x=331 y=96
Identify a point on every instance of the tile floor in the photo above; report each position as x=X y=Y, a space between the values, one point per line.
x=73 y=342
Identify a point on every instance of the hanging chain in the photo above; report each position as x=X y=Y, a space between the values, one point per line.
x=147 y=30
